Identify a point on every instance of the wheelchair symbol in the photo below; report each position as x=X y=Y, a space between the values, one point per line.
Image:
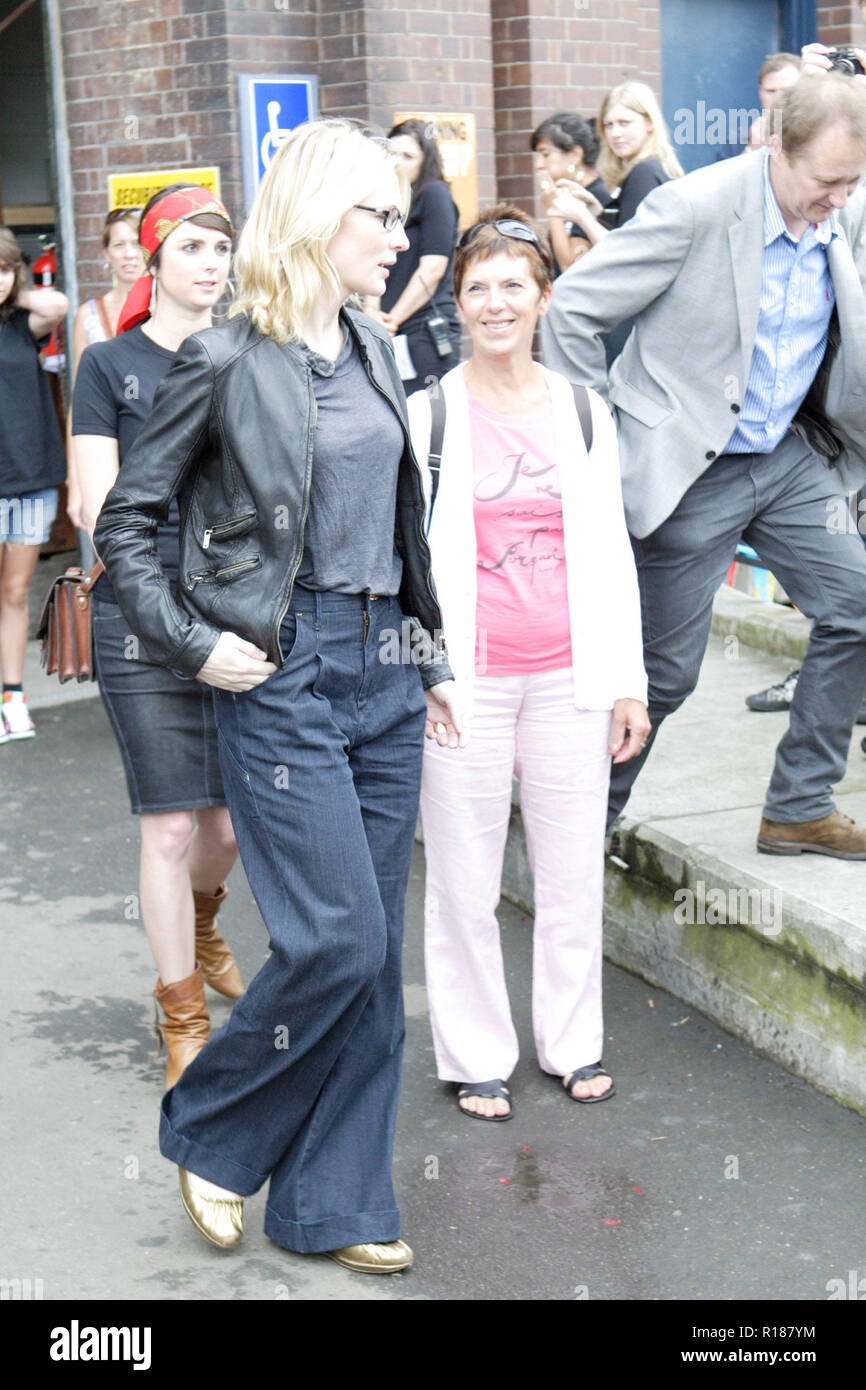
x=275 y=135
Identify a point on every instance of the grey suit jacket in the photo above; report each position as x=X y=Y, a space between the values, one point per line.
x=687 y=269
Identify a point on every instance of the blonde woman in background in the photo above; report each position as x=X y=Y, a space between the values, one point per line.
x=635 y=156
x=96 y=320
x=636 y=153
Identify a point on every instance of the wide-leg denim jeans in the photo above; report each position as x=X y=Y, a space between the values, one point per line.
x=322 y=767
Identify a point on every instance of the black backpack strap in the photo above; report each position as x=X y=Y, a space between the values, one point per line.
x=584 y=411
x=437 y=434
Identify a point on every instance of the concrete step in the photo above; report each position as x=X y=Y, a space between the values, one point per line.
x=770 y=627
x=773 y=948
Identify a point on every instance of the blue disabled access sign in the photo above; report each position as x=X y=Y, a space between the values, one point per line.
x=270 y=108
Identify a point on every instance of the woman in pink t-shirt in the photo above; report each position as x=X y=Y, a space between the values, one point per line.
x=535 y=576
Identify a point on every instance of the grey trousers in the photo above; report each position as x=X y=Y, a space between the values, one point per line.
x=785 y=506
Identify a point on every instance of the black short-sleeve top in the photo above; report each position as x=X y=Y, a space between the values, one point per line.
x=114 y=390
x=431 y=228
x=646 y=175
x=31 y=450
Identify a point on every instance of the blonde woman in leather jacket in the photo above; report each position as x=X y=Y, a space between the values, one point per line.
x=283 y=434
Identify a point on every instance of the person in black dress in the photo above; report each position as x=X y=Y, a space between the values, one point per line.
x=419 y=301
x=31 y=466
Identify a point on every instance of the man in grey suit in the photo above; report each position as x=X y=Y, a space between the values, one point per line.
x=744 y=377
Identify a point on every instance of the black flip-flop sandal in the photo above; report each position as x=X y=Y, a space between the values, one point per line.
x=490 y=1090
x=587 y=1074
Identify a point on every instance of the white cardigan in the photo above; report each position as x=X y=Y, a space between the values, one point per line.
x=603 y=598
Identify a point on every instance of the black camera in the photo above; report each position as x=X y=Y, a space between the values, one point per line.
x=844 y=60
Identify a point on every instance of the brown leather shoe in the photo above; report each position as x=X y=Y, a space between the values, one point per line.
x=186 y=1027
x=218 y=966
x=836 y=835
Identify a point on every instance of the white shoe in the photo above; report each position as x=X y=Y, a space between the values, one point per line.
x=15 y=721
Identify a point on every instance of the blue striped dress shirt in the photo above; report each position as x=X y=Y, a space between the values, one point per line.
x=797 y=299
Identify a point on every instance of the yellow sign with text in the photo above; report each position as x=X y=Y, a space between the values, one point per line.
x=454 y=133
x=135 y=189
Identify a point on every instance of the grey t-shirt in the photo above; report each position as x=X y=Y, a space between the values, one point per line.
x=349 y=533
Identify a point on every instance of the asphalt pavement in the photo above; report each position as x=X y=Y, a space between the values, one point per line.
x=712 y=1175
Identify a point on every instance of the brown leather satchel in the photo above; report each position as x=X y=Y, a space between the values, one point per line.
x=64 y=628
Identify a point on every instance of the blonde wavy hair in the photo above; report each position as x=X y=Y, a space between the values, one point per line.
x=637 y=96
x=318 y=173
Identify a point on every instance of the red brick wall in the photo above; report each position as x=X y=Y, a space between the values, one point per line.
x=152 y=83
x=134 y=80
x=553 y=55
x=342 y=61
x=840 y=24
x=383 y=56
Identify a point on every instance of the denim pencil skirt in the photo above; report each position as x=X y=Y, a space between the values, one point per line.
x=322 y=769
x=27 y=518
x=164 y=725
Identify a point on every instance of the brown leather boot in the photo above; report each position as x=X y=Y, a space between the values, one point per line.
x=186 y=1027
x=836 y=835
x=218 y=966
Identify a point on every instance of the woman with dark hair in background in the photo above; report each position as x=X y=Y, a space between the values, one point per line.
x=566 y=150
x=419 y=301
x=31 y=466
x=164 y=725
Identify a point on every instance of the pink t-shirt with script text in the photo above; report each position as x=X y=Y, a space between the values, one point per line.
x=522 y=620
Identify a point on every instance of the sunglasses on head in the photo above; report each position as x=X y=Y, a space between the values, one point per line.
x=508 y=226
x=117 y=213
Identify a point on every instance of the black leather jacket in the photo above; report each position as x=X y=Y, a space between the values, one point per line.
x=231 y=435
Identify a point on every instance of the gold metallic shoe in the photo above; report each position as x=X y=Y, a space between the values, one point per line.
x=216 y=1212
x=374 y=1259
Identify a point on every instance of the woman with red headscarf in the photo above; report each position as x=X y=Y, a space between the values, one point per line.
x=164 y=724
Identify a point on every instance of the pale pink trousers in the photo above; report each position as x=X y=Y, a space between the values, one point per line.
x=528 y=726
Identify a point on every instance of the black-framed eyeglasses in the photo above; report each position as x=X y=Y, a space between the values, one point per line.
x=390 y=216
x=508 y=226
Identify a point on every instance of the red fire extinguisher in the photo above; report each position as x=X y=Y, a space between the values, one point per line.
x=45 y=268
x=45 y=276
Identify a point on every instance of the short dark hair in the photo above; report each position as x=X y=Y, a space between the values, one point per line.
x=431 y=169
x=567 y=131
x=489 y=241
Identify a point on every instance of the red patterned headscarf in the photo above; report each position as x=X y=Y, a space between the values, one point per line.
x=166 y=214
